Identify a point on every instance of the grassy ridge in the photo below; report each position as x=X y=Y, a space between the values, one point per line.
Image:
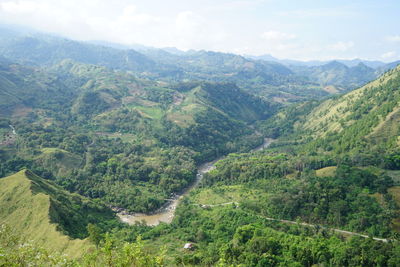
x=44 y=213
x=28 y=213
x=336 y=114
x=361 y=124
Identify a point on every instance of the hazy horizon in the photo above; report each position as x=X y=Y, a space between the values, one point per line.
x=284 y=29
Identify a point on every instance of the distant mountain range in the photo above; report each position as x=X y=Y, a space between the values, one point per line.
x=311 y=63
x=280 y=80
x=90 y=129
x=287 y=62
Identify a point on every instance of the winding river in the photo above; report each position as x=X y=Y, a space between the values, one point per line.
x=166 y=214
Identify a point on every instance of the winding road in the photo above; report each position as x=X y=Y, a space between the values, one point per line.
x=339 y=231
x=167 y=213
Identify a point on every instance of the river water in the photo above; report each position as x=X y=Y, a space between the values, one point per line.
x=166 y=214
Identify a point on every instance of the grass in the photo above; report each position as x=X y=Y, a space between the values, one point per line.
x=172 y=244
x=28 y=213
x=395 y=176
x=181 y=119
x=183 y=114
x=388 y=127
x=395 y=192
x=292 y=175
x=3 y=132
x=326 y=172
x=222 y=194
x=325 y=118
x=50 y=150
x=60 y=160
x=153 y=112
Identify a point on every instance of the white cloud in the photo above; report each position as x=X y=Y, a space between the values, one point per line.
x=188 y=21
x=389 y=55
x=238 y=4
x=119 y=22
x=19 y=7
x=393 y=38
x=225 y=25
x=341 y=46
x=189 y=30
x=130 y=15
x=320 y=12
x=277 y=36
x=278 y=43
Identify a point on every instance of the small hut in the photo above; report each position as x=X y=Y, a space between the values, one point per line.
x=188 y=246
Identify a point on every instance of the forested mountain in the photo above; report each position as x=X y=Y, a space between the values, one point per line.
x=86 y=129
x=334 y=166
x=46 y=50
x=262 y=76
x=74 y=121
x=339 y=76
x=359 y=122
x=271 y=79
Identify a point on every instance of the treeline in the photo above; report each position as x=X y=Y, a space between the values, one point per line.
x=253 y=245
x=292 y=190
x=230 y=235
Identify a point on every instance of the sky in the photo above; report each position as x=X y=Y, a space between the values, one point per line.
x=295 y=29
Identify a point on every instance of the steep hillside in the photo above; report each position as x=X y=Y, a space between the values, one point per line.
x=24 y=88
x=228 y=99
x=132 y=142
x=362 y=124
x=60 y=161
x=378 y=98
x=47 y=215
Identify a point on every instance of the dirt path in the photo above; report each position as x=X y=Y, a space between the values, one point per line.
x=13 y=130
x=344 y=232
x=326 y=228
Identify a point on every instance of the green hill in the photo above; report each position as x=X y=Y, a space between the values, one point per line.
x=107 y=134
x=337 y=74
x=45 y=214
x=60 y=161
x=339 y=113
x=23 y=88
x=266 y=78
x=364 y=121
x=41 y=49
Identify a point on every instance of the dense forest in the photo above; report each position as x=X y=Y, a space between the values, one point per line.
x=89 y=132
x=98 y=132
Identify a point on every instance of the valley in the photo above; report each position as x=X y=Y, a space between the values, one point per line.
x=166 y=213
x=112 y=156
